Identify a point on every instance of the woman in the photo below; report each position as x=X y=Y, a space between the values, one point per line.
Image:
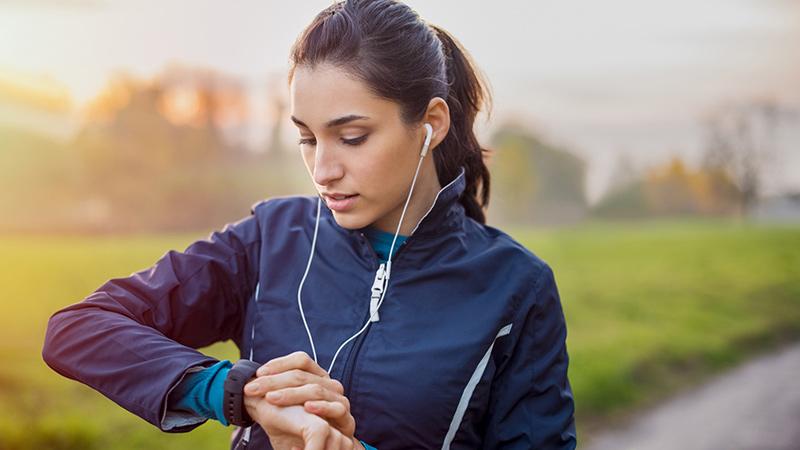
x=391 y=317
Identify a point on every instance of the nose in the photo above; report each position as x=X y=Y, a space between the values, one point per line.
x=327 y=168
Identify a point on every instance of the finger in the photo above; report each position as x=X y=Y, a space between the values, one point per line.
x=337 y=386
x=335 y=440
x=301 y=394
x=317 y=437
x=346 y=443
x=334 y=413
x=296 y=360
x=351 y=444
x=326 y=409
x=291 y=378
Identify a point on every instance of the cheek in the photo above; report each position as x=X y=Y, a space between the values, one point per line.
x=308 y=162
x=308 y=158
x=382 y=170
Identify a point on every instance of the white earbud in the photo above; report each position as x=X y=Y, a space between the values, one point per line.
x=428 y=136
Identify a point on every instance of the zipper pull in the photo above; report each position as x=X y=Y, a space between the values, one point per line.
x=243 y=440
x=377 y=289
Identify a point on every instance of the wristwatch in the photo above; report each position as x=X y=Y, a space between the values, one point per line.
x=233 y=401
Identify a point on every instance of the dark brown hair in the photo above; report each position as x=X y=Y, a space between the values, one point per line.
x=400 y=57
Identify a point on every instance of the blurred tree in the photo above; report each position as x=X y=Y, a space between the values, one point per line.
x=739 y=140
x=277 y=114
x=624 y=173
x=206 y=100
x=670 y=190
x=625 y=194
x=534 y=181
x=160 y=154
x=156 y=153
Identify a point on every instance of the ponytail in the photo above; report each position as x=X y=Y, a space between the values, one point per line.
x=466 y=95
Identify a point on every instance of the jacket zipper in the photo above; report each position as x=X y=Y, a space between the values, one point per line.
x=347 y=371
x=347 y=375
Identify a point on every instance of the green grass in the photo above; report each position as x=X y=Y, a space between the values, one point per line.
x=654 y=306
x=651 y=306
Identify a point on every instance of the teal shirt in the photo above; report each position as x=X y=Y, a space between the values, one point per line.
x=201 y=392
x=381 y=242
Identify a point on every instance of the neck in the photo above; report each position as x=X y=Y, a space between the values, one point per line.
x=422 y=198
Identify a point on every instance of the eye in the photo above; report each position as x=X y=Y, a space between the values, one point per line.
x=355 y=141
x=303 y=141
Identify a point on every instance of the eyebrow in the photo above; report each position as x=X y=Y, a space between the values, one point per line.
x=333 y=123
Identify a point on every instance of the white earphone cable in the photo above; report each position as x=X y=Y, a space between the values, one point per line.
x=386 y=280
x=303 y=280
x=388 y=263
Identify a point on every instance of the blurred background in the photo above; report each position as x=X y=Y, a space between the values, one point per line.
x=650 y=152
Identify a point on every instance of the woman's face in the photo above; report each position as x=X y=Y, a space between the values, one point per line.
x=355 y=144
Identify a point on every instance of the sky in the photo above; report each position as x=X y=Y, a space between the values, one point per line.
x=602 y=78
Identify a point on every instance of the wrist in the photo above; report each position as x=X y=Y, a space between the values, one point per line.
x=234 y=407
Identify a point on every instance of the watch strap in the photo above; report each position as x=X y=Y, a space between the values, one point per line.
x=233 y=400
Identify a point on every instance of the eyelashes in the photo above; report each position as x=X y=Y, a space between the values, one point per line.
x=356 y=141
x=303 y=141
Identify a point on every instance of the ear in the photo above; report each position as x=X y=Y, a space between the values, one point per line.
x=438 y=115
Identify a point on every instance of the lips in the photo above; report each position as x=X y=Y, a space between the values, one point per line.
x=340 y=202
x=340 y=196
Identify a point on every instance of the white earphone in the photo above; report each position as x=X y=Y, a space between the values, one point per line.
x=428 y=136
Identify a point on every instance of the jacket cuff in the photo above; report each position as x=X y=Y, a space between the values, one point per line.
x=173 y=420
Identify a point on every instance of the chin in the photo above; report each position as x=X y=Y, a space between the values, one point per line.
x=351 y=221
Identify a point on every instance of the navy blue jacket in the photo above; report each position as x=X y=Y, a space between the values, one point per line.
x=469 y=351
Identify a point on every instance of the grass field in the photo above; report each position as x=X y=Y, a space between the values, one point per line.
x=651 y=306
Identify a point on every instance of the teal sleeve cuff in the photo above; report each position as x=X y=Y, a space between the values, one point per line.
x=367 y=446
x=202 y=392
x=216 y=394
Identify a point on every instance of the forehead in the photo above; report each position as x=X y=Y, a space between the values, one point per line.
x=321 y=93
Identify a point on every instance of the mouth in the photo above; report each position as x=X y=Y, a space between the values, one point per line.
x=340 y=202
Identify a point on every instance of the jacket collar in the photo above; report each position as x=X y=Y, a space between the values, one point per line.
x=446 y=211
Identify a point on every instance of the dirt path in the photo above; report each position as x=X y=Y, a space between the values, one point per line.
x=755 y=406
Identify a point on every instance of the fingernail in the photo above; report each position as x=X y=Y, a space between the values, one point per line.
x=252 y=387
x=274 y=395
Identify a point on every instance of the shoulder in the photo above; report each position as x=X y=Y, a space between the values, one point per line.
x=518 y=259
x=523 y=272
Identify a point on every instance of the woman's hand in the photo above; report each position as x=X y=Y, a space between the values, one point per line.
x=291 y=427
x=295 y=379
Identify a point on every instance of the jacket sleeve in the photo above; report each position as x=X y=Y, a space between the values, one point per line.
x=134 y=338
x=531 y=399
